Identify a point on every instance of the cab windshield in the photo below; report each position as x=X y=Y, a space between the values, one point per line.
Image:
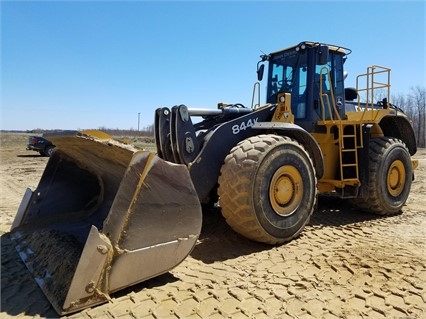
x=287 y=74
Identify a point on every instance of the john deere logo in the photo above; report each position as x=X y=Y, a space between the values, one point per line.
x=339 y=101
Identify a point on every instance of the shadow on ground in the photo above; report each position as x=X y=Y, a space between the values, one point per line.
x=218 y=242
x=30 y=155
x=335 y=212
x=19 y=291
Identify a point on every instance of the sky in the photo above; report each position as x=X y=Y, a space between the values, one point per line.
x=110 y=64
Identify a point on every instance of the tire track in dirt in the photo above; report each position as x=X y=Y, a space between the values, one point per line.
x=346 y=271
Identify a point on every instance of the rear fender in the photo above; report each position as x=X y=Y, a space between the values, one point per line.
x=400 y=127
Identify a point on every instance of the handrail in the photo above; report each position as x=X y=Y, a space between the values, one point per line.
x=255 y=106
x=325 y=71
x=372 y=84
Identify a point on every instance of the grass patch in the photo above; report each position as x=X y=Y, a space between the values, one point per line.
x=14 y=140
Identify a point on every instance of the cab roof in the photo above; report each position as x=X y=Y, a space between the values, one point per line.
x=312 y=44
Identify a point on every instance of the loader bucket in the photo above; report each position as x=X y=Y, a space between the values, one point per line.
x=103 y=217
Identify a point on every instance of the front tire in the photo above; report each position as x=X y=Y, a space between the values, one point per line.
x=390 y=177
x=267 y=188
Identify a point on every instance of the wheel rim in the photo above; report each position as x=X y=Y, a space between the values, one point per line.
x=396 y=178
x=286 y=190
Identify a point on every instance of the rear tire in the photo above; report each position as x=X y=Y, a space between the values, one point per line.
x=49 y=151
x=267 y=188
x=390 y=177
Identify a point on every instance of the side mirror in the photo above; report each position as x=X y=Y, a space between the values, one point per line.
x=322 y=54
x=260 y=70
x=351 y=94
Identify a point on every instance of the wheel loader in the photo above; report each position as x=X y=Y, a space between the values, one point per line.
x=106 y=216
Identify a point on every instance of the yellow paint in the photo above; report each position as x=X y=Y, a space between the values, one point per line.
x=283 y=111
x=98 y=134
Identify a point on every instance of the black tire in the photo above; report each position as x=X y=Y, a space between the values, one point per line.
x=48 y=151
x=267 y=188
x=390 y=177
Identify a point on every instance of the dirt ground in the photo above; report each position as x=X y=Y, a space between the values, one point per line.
x=346 y=264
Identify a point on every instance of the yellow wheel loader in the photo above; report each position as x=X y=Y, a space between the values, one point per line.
x=106 y=216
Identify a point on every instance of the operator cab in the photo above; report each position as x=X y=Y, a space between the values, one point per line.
x=304 y=71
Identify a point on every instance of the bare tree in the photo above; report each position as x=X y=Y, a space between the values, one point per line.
x=401 y=101
x=417 y=98
x=413 y=105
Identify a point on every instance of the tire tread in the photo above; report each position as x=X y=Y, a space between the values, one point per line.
x=234 y=181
